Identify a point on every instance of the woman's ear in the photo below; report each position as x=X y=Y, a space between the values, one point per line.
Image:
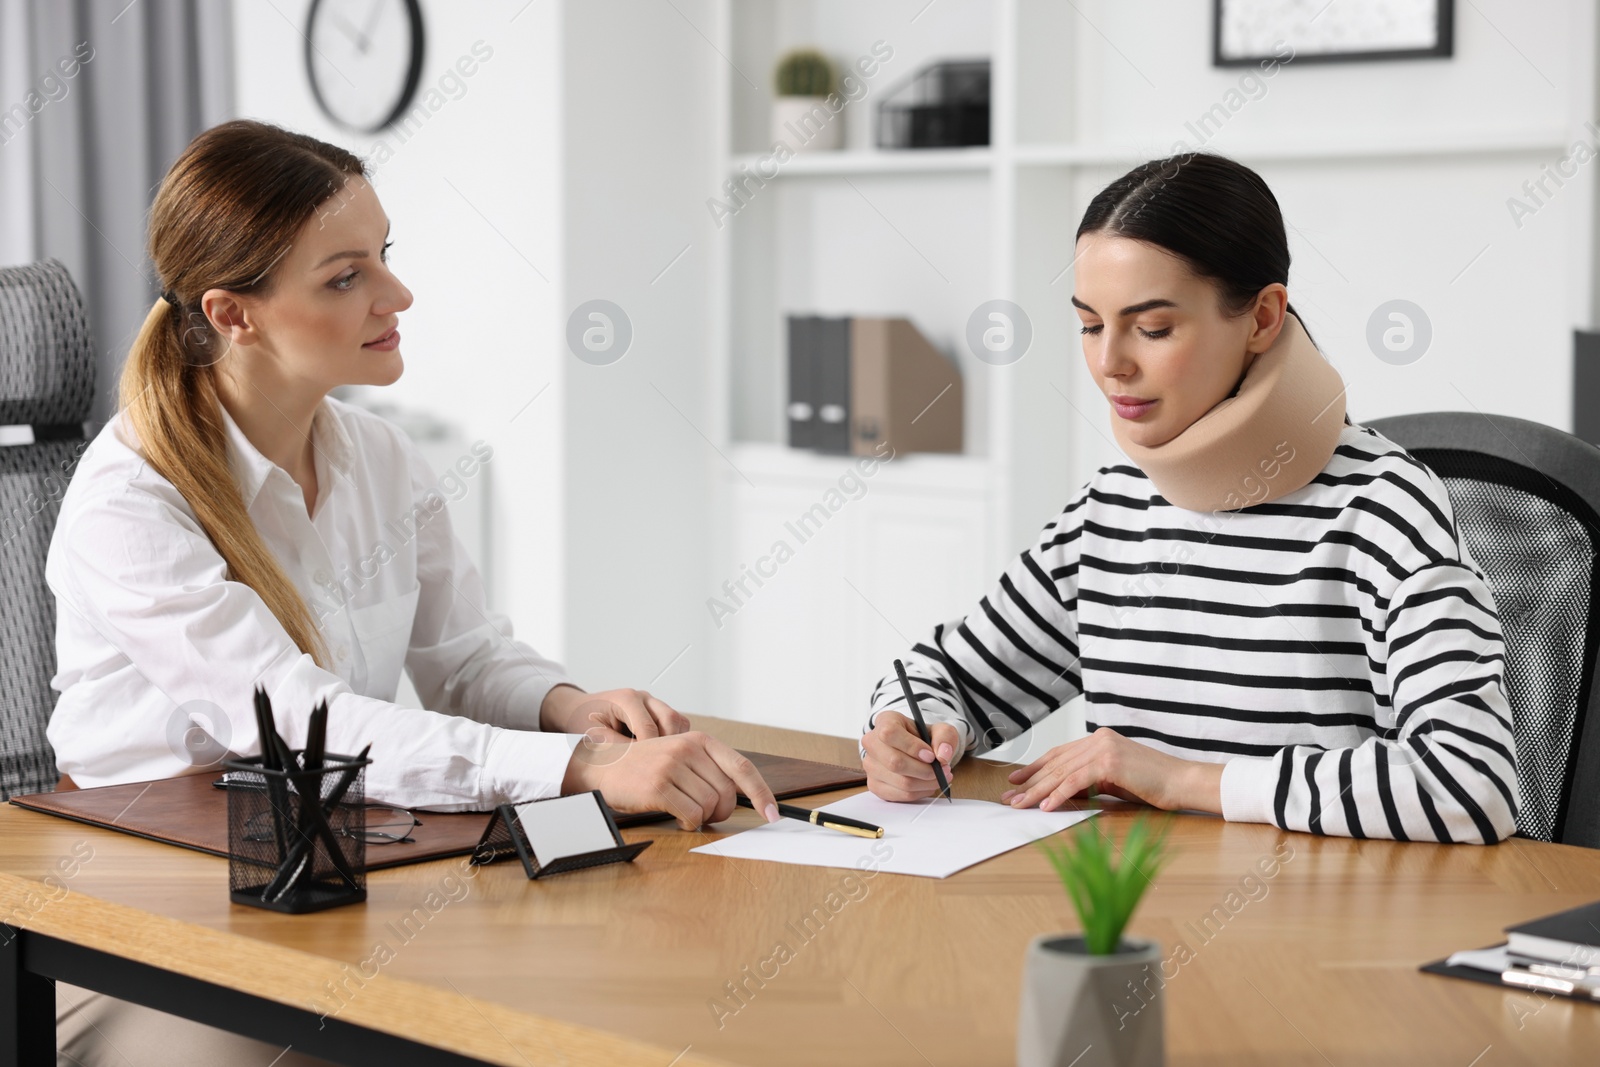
x=1267 y=317
x=230 y=316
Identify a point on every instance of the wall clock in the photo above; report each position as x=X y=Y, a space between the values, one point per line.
x=364 y=59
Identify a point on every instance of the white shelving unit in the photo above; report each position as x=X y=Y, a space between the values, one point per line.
x=927 y=234
x=876 y=161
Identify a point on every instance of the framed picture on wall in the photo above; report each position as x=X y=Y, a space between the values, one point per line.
x=1247 y=32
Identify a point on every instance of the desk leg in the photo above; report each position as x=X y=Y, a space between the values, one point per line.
x=27 y=1008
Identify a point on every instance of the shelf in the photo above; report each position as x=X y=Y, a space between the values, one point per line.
x=885 y=161
x=978 y=159
x=1332 y=148
x=948 y=475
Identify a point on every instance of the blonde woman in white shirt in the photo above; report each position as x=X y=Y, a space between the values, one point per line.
x=235 y=526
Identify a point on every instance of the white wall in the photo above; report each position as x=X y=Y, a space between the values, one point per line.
x=640 y=130
x=1373 y=214
x=474 y=196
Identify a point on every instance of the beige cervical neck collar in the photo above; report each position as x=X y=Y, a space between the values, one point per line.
x=1271 y=437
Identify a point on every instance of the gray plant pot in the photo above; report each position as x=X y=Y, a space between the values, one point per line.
x=1090 y=1011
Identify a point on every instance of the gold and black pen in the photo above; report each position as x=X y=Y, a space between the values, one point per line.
x=829 y=821
x=815 y=818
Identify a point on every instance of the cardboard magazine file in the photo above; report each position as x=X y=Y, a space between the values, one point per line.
x=903 y=391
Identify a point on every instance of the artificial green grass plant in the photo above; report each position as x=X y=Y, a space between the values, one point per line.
x=1103 y=890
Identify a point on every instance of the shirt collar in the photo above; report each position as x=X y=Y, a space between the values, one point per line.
x=251 y=469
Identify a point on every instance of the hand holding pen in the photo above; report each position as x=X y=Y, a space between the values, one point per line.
x=902 y=763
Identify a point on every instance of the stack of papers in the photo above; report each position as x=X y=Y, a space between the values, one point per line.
x=1496 y=958
x=930 y=838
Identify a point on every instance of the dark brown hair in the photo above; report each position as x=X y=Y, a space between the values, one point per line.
x=1217 y=215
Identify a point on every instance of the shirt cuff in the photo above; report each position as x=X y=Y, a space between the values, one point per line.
x=1248 y=786
x=526 y=700
x=521 y=765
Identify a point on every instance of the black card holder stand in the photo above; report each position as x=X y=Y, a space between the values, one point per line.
x=504 y=838
x=297 y=839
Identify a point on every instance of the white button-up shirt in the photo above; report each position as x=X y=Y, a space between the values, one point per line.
x=159 y=653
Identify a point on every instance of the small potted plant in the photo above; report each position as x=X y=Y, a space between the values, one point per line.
x=802 y=117
x=1093 y=998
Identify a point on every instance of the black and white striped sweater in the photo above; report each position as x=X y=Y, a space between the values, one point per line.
x=1337 y=648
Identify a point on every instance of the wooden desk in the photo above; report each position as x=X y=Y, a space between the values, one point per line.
x=622 y=964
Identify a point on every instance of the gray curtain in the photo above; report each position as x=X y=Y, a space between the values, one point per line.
x=97 y=97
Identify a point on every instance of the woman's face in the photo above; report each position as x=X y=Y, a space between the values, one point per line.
x=1156 y=339
x=330 y=315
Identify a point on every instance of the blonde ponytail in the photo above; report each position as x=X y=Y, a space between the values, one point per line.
x=173 y=406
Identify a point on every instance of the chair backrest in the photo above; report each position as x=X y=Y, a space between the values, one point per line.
x=1526 y=499
x=46 y=383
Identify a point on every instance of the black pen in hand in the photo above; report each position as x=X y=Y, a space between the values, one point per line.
x=922 y=730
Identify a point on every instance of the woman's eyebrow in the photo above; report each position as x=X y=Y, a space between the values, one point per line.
x=352 y=254
x=358 y=253
x=1131 y=309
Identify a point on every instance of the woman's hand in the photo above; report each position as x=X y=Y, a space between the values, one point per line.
x=1109 y=763
x=692 y=775
x=899 y=764
x=603 y=716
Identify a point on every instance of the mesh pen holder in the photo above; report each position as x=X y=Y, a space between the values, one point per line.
x=289 y=852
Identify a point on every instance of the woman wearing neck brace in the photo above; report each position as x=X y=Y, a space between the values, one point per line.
x=1268 y=608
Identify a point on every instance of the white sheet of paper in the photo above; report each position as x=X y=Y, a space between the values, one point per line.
x=930 y=838
x=1495 y=959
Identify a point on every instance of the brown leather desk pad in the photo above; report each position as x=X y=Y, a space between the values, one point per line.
x=191 y=812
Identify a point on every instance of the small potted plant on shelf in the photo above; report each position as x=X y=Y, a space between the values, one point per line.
x=1093 y=998
x=802 y=117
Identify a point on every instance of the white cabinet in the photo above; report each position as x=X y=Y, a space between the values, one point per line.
x=831 y=571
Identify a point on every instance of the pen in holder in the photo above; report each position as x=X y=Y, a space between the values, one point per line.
x=296 y=838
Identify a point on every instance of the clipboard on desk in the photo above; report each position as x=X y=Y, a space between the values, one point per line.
x=1521 y=982
x=190 y=813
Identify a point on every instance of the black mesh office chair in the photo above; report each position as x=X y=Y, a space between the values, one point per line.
x=46 y=382
x=1527 y=503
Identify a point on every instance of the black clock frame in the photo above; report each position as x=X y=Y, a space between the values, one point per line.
x=413 y=72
